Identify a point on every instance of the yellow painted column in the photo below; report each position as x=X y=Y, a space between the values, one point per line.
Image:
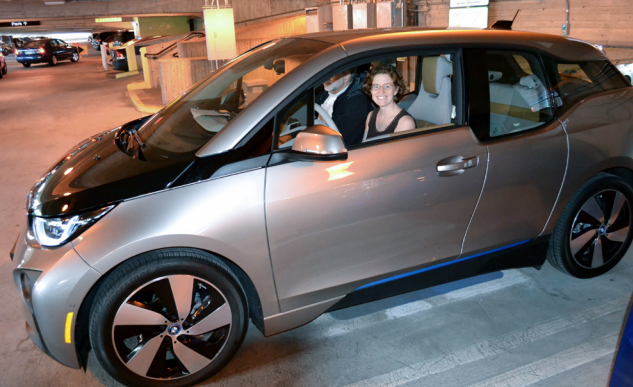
x=131 y=59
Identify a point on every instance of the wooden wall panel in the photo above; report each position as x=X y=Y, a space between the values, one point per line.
x=608 y=22
x=249 y=35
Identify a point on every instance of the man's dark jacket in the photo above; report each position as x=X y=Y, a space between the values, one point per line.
x=350 y=111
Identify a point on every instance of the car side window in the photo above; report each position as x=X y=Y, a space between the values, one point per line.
x=573 y=81
x=343 y=101
x=293 y=120
x=518 y=98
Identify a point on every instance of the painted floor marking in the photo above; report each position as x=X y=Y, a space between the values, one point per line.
x=492 y=347
x=334 y=327
x=553 y=365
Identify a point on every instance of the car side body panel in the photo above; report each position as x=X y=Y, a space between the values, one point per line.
x=524 y=178
x=600 y=130
x=223 y=216
x=335 y=226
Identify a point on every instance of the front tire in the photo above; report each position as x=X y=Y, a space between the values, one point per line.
x=75 y=57
x=594 y=231
x=168 y=318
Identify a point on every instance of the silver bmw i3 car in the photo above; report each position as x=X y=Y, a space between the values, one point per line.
x=155 y=243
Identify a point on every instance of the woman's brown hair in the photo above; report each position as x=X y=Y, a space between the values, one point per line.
x=389 y=70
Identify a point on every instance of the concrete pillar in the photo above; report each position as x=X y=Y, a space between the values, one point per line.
x=104 y=57
x=145 y=64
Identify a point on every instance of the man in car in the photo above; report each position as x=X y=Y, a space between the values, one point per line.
x=343 y=99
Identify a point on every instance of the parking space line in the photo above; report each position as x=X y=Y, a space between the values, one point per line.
x=501 y=344
x=555 y=364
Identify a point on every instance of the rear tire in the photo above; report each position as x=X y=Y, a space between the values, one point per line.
x=168 y=318
x=594 y=231
x=26 y=64
x=53 y=61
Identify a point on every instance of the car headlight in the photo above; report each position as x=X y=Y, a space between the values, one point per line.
x=51 y=232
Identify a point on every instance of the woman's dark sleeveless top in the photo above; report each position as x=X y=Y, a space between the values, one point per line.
x=373 y=132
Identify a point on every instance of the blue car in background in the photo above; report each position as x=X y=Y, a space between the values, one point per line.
x=622 y=374
x=46 y=51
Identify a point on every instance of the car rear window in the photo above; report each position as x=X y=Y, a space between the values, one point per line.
x=35 y=44
x=573 y=81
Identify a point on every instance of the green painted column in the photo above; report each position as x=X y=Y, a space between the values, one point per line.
x=162 y=25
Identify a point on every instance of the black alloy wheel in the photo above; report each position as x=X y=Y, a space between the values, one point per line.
x=75 y=57
x=594 y=231
x=168 y=318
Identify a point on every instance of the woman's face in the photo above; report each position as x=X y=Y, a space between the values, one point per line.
x=383 y=90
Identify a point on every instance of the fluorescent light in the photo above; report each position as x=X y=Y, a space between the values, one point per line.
x=55 y=2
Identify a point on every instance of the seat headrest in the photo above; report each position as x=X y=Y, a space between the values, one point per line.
x=434 y=69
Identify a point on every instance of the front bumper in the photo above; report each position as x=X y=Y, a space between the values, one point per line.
x=52 y=284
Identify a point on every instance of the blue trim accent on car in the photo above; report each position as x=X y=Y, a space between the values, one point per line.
x=399 y=276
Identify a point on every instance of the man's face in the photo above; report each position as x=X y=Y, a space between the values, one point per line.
x=337 y=83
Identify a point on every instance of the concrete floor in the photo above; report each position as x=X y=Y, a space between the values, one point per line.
x=512 y=329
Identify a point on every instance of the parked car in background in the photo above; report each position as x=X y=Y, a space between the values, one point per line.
x=118 y=55
x=154 y=243
x=627 y=70
x=121 y=37
x=3 y=66
x=46 y=51
x=19 y=42
x=100 y=38
x=6 y=48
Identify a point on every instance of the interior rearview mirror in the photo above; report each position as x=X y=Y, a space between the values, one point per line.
x=319 y=143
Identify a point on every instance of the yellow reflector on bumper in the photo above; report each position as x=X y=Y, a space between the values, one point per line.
x=69 y=321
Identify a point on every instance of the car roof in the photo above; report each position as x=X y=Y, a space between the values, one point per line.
x=357 y=41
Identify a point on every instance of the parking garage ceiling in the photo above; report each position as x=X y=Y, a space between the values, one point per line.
x=48 y=16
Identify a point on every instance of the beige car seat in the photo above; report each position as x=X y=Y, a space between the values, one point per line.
x=434 y=104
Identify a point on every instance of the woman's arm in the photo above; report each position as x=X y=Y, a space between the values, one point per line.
x=366 y=127
x=405 y=123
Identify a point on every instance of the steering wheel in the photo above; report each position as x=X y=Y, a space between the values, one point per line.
x=326 y=117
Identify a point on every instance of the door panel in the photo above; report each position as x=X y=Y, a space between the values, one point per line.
x=525 y=174
x=334 y=226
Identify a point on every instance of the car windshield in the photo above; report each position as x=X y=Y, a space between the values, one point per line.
x=190 y=121
x=35 y=44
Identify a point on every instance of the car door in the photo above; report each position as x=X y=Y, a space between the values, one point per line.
x=512 y=113
x=65 y=51
x=385 y=210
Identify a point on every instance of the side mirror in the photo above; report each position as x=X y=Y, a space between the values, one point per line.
x=319 y=143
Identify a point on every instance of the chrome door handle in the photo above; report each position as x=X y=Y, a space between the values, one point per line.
x=455 y=165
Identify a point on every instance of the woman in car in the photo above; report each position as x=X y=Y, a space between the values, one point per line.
x=383 y=84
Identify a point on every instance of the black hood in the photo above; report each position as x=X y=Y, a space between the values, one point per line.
x=97 y=172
